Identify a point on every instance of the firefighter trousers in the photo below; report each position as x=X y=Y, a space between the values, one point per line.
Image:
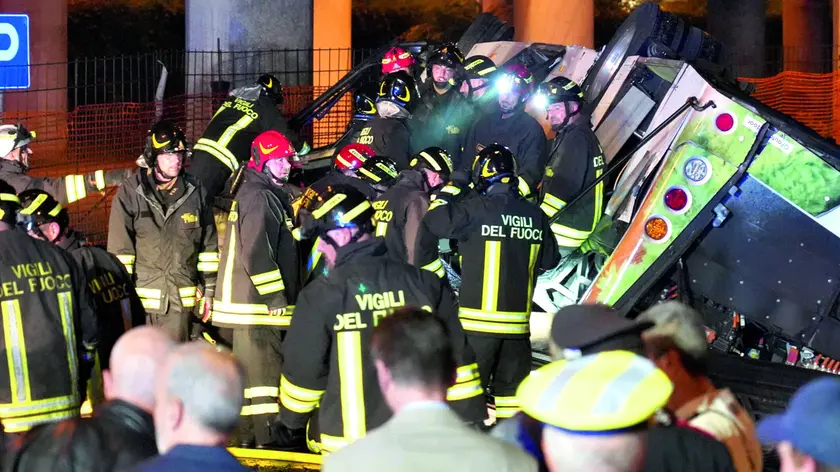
x=210 y=172
x=503 y=363
x=174 y=321
x=258 y=348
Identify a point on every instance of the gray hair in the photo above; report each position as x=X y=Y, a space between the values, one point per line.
x=622 y=452
x=678 y=325
x=209 y=383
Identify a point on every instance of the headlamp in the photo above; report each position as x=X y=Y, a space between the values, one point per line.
x=504 y=84
x=540 y=101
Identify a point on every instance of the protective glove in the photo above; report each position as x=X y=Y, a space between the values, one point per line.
x=285 y=439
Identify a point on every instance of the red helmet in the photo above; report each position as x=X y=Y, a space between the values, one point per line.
x=352 y=156
x=518 y=78
x=268 y=146
x=396 y=59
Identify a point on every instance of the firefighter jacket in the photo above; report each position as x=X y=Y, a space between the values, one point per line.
x=442 y=122
x=576 y=161
x=67 y=189
x=354 y=130
x=389 y=137
x=170 y=251
x=236 y=124
x=399 y=212
x=329 y=342
x=260 y=264
x=314 y=265
x=111 y=288
x=520 y=133
x=49 y=330
x=504 y=243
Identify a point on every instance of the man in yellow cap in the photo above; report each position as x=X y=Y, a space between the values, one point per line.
x=596 y=410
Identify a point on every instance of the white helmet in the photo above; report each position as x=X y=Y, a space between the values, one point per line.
x=13 y=137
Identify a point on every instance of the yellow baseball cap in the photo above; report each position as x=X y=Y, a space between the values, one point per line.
x=604 y=392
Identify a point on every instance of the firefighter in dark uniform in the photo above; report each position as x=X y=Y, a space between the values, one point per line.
x=162 y=230
x=397 y=59
x=477 y=83
x=388 y=133
x=399 y=211
x=15 y=155
x=364 y=110
x=260 y=279
x=328 y=338
x=575 y=161
x=226 y=142
x=444 y=114
x=111 y=287
x=510 y=126
x=345 y=171
x=49 y=326
x=380 y=173
x=505 y=243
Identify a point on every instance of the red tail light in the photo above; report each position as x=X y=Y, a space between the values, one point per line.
x=677 y=199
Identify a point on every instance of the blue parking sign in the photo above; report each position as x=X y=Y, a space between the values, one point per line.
x=14 y=52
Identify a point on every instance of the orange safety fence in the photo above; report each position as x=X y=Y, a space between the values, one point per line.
x=111 y=136
x=809 y=98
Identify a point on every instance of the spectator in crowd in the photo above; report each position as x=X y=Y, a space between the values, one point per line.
x=415 y=366
x=198 y=397
x=581 y=330
x=806 y=433
x=121 y=432
x=677 y=345
x=596 y=410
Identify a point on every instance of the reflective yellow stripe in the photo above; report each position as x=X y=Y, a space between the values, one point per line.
x=65 y=307
x=565 y=242
x=548 y=210
x=381 y=228
x=497 y=328
x=240 y=308
x=150 y=304
x=18 y=425
x=298 y=399
x=148 y=292
x=227 y=277
x=229 y=133
x=256 y=392
x=352 y=384
x=437 y=203
x=506 y=412
x=333 y=443
x=75 y=187
x=208 y=262
x=14 y=410
x=266 y=277
x=251 y=320
x=496 y=316
x=435 y=266
x=295 y=405
x=314 y=257
x=467 y=373
x=99 y=177
x=208 y=267
x=262 y=409
x=187 y=291
x=490 y=284
x=569 y=232
x=464 y=390
x=532 y=270
x=450 y=189
x=506 y=407
x=553 y=201
x=599 y=200
x=126 y=258
x=16 y=352
x=270 y=288
x=187 y=302
x=208 y=256
x=223 y=155
x=524 y=188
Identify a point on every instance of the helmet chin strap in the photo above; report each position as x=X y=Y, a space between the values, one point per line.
x=163 y=176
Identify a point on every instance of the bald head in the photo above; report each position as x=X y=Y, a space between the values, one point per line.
x=136 y=359
x=209 y=385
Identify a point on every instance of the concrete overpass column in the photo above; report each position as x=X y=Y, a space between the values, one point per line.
x=331 y=59
x=570 y=22
x=805 y=35
x=740 y=26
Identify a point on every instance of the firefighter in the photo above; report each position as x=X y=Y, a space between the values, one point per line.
x=162 y=230
x=49 y=326
x=575 y=161
x=399 y=211
x=388 y=134
x=513 y=128
x=505 y=244
x=226 y=142
x=261 y=278
x=15 y=156
x=398 y=59
x=329 y=344
x=111 y=287
x=445 y=114
x=479 y=72
x=364 y=110
x=380 y=172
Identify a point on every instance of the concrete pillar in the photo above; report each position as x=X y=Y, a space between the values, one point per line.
x=331 y=59
x=570 y=22
x=234 y=41
x=501 y=8
x=805 y=35
x=835 y=15
x=740 y=26
x=44 y=105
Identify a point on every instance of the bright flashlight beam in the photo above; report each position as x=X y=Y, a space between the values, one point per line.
x=540 y=101
x=504 y=84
